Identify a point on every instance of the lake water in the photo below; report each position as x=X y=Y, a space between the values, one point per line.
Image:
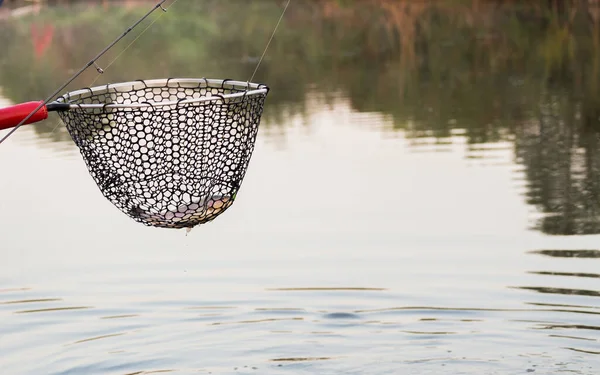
x=427 y=215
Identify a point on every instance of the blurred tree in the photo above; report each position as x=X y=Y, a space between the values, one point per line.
x=520 y=71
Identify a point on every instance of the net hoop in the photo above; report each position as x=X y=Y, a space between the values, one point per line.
x=169 y=153
x=244 y=90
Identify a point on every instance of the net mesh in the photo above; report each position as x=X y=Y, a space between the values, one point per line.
x=169 y=164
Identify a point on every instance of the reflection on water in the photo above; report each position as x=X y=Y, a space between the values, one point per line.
x=383 y=226
x=578 y=292
x=300 y=359
x=526 y=89
x=569 y=253
x=570 y=274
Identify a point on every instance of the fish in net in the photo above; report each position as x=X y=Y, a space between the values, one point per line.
x=170 y=153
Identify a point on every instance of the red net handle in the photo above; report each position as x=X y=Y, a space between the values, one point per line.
x=13 y=115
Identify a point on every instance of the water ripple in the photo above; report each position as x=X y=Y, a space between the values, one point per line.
x=120 y=316
x=569 y=274
x=571 y=326
x=566 y=291
x=300 y=359
x=31 y=301
x=573 y=337
x=317 y=289
x=584 y=351
x=268 y=320
x=11 y=290
x=149 y=372
x=561 y=305
x=430 y=333
x=568 y=253
x=53 y=309
x=99 y=337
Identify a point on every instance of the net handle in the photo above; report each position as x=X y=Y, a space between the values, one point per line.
x=28 y=113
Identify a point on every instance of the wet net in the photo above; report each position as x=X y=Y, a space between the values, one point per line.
x=168 y=153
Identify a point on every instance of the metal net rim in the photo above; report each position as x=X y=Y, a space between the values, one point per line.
x=244 y=89
x=172 y=166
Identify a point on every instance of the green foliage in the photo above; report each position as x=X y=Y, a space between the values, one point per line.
x=490 y=69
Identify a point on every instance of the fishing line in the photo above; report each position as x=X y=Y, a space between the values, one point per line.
x=133 y=41
x=100 y=72
x=106 y=49
x=92 y=62
x=269 y=42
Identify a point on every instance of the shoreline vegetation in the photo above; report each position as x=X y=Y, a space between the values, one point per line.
x=520 y=72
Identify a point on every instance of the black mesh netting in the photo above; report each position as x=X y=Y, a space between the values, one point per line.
x=175 y=165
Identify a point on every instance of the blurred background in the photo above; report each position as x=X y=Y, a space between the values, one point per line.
x=424 y=195
x=521 y=72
